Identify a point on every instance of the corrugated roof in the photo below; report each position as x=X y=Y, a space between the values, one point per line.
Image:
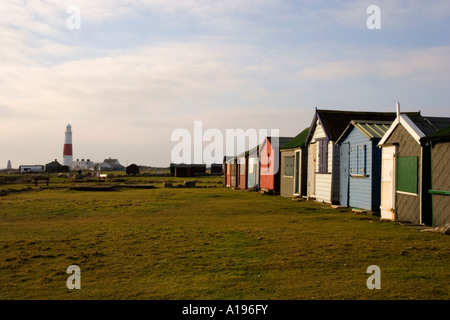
x=371 y=129
x=298 y=141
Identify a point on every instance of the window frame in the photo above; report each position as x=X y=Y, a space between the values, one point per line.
x=291 y=157
x=322 y=155
x=358 y=160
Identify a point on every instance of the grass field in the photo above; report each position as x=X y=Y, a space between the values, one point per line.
x=206 y=243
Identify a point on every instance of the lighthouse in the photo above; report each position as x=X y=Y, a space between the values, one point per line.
x=67 y=153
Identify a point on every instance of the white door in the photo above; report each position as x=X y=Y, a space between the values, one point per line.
x=297 y=173
x=387 y=207
x=312 y=170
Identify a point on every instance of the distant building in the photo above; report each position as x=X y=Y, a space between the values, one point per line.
x=187 y=170
x=217 y=168
x=101 y=166
x=114 y=163
x=31 y=168
x=55 y=166
x=8 y=166
x=82 y=164
x=132 y=169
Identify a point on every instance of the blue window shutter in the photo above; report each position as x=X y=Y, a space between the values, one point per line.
x=323 y=156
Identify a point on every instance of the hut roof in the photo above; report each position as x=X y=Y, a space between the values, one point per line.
x=298 y=141
x=334 y=122
x=441 y=135
x=371 y=129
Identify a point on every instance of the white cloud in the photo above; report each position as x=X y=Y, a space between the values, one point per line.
x=418 y=65
x=395 y=15
x=126 y=102
x=138 y=97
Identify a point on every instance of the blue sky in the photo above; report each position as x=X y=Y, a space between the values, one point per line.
x=138 y=70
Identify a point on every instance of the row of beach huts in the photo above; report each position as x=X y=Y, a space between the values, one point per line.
x=394 y=164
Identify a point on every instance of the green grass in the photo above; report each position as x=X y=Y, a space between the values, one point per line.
x=207 y=243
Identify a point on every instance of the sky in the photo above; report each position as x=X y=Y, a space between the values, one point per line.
x=134 y=71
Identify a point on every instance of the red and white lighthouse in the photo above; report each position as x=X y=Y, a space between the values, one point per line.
x=67 y=153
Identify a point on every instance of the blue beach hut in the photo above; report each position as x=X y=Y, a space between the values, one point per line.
x=360 y=164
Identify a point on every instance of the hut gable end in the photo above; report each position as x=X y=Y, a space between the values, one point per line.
x=401 y=136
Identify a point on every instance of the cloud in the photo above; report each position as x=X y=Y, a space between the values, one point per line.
x=395 y=15
x=137 y=97
x=126 y=85
x=124 y=101
x=389 y=64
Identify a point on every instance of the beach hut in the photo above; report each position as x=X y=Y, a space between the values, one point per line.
x=216 y=169
x=406 y=179
x=294 y=164
x=55 y=166
x=324 y=155
x=439 y=170
x=230 y=164
x=269 y=174
x=253 y=168
x=360 y=172
x=226 y=176
x=242 y=164
x=133 y=170
x=187 y=170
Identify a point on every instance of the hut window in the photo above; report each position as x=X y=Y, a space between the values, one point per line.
x=407 y=174
x=289 y=166
x=250 y=165
x=358 y=160
x=323 y=155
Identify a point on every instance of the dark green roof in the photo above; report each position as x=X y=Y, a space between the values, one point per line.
x=298 y=141
x=443 y=134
